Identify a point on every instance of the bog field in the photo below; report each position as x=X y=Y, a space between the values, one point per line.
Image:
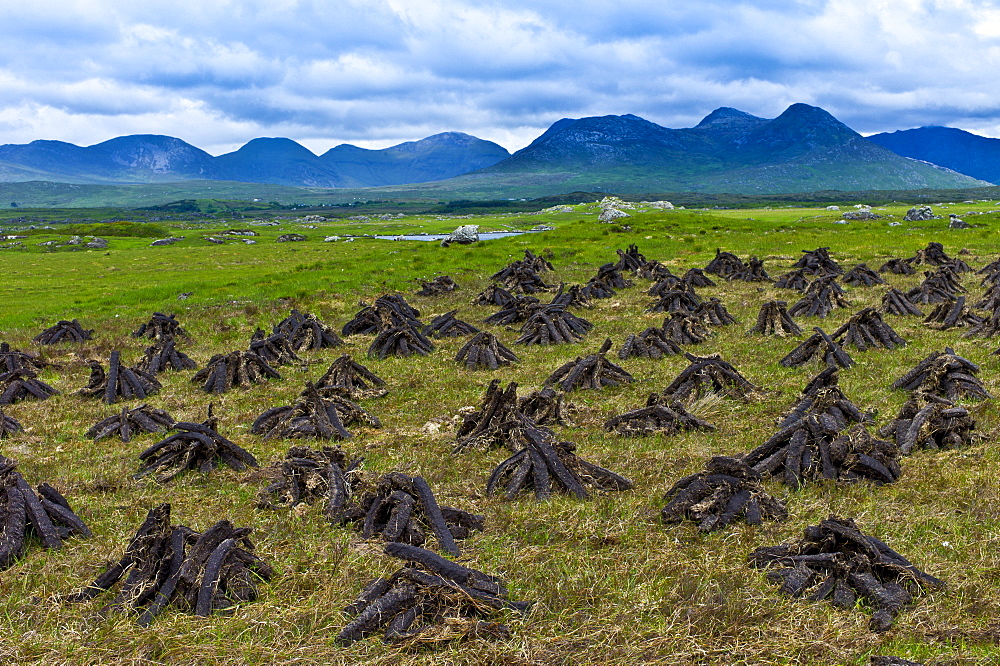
x=608 y=581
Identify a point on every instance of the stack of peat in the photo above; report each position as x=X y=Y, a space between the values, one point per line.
x=160 y=326
x=589 y=372
x=574 y=297
x=724 y=264
x=945 y=374
x=658 y=416
x=348 y=378
x=553 y=324
x=306 y=331
x=867 y=330
x=119 y=382
x=522 y=276
x=709 y=375
x=131 y=422
x=63 y=331
x=897 y=266
x=938 y=286
x=714 y=313
x=46 y=513
x=543 y=464
x=14 y=359
x=862 y=276
x=795 y=280
x=546 y=407
x=648 y=344
x=930 y=422
x=773 y=319
x=23 y=384
x=515 y=311
x=235 y=369
x=486 y=352
x=896 y=302
x=695 y=277
x=162 y=356
x=818 y=262
x=604 y=284
x=727 y=489
x=401 y=340
x=496 y=422
x=274 y=349
x=173 y=565
x=442 y=284
x=9 y=425
x=813 y=442
x=685 y=329
x=835 y=560
x=821 y=346
x=306 y=476
x=431 y=599
x=494 y=295
x=631 y=259
x=388 y=311
x=952 y=314
x=403 y=508
x=752 y=271
x=197 y=446
x=313 y=416
x=820 y=298
x=448 y=325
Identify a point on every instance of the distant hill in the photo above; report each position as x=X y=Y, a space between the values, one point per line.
x=142 y=158
x=437 y=157
x=147 y=158
x=971 y=154
x=804 y=149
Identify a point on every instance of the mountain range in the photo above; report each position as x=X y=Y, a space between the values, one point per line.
x=805 y=149
x=971 y=154
x=150 y=158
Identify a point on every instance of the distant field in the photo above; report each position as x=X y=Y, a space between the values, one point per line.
x=611 y=584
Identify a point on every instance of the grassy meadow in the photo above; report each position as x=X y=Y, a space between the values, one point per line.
x=610 y=583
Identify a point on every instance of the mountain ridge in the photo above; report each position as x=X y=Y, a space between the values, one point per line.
x=151 y=158
x=803 y=149
x=965 y=152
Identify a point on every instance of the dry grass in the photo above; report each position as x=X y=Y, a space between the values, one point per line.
x=611 y=584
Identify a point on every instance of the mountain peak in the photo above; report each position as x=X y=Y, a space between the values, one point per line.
x=275 y=145
x=726 y=117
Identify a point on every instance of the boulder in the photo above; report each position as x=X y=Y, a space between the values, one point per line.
x=464 y=235
x=919 y=214
x=97 y=244
x=611 y=214
x=862 y=214
x=290 y=238
x=166 y=241
x=955 y=222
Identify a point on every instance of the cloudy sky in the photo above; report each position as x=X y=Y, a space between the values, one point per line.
x=374 y=73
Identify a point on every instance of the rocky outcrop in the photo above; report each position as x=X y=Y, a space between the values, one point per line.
x=919 y=214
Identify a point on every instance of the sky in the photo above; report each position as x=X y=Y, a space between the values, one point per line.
x=374 y=73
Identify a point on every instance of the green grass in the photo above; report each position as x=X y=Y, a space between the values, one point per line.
x=611 y=584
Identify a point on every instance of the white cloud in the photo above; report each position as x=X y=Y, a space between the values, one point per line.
x=375 y=73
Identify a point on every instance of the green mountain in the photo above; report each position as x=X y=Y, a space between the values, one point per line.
x=971 y=154
x=804 y=149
